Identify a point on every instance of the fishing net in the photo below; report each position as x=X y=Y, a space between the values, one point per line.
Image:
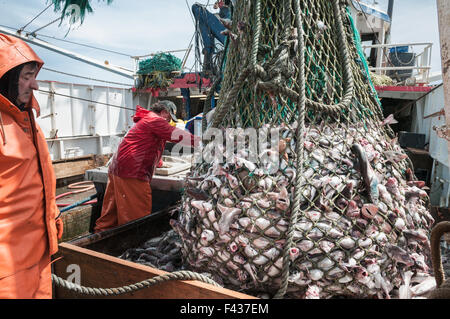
x=333 y=207
x=66 y=6
x=155 y=72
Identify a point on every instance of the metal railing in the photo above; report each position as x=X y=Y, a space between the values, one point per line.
x=422 y=65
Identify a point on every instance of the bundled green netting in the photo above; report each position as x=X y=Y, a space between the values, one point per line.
x=334 y=207
x=155 y=72
x=163 y=62
x=84 y=5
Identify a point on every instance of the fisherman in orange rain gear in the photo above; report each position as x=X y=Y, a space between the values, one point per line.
x=28 y=230
x=128 y=194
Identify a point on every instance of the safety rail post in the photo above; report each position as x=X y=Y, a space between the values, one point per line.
x=51 y=97
x=422 y=63
x=53 y=129
x=91 y=108
x=72 y=110
x=108 y=111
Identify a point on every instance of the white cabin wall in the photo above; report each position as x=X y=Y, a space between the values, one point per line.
x=440 y=176
x=83 y=127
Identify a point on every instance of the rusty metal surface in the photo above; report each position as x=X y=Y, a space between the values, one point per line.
x=443 y=8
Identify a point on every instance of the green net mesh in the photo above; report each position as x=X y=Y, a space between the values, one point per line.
x=160 y=62
x=155 y=72
x=64 y=5
x=334 y=209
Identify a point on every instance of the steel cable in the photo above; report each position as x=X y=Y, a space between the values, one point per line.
x=26 y=25
x=86 y=100
x=85 y=77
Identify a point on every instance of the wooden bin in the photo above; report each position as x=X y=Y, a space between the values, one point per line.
x=93 y=258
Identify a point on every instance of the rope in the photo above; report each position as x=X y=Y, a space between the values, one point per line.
x=276 y=61
x=290 y=227
x=300 y=145
x=76 y=204
x=82 y=187
x=275 y=66
x=357 y=40
x=178 y=275
x=208 y=102
x=256 y=34
x=222 y=109
x=278 y=65
x=348 y=75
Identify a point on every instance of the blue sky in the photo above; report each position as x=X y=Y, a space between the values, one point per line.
x=138 y=27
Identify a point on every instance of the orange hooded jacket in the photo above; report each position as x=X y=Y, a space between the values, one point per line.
x=27 y=180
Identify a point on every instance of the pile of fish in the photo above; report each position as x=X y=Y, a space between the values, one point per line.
x=362 y=231
x=162 y=252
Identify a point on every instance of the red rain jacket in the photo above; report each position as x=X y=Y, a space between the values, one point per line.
x=141 y=149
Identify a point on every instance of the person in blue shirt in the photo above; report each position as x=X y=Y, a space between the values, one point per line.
x=211 y=28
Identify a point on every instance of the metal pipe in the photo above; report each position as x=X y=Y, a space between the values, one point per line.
x=186 y=57
x=387 y=45
x=391 y=68
x=69 y=54
x=390 y=9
